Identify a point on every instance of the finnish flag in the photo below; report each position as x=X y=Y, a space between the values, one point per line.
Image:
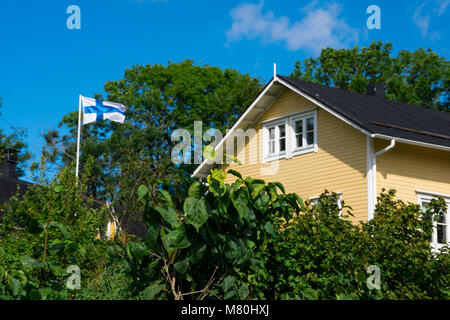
x=95 y=110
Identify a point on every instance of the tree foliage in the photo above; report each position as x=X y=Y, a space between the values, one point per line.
x=15 y=145
x=251 y=240
x=159 y=100
x=421 y=77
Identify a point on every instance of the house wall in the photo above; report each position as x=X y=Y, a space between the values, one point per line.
x=407 y=168
x=339 y=165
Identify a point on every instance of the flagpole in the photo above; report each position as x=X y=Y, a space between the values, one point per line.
x=78 y=139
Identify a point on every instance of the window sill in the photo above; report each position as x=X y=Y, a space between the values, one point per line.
x=303 y=151
x=274 y=158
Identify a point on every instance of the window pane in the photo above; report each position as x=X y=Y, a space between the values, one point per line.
x=310 y=124
x=282 y=144
x=441 y=230
x=299 y=126
x=271 y=133
x=299 y=141
x=271 y=147
x=282 y=131
x=310 y=138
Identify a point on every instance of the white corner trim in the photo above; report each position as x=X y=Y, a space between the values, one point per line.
x=369 y=178
x=372 y=174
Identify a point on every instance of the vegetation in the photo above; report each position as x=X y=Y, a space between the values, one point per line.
x=51 y=227
x=14 y=144
x=420 y=78
x=251 y=240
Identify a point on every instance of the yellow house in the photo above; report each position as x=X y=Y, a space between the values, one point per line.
x=311 y=137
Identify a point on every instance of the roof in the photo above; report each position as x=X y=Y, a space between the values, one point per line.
x=8 y=187
x=382 y=116
x=370 y=114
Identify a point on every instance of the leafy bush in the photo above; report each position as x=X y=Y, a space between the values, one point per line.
x=251 y=240
x=206 y=248
x=51 y=227
x=322 y=256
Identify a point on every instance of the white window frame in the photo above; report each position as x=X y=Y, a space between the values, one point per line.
x=426 y=196
x=313 y=201
x=267 y=157
x=305 y=148
x=288 y=121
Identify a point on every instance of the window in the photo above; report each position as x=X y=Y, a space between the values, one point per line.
x=314 y=201
x=276 y=140
x=289 y=136
x=441 y=228
x=304 y=132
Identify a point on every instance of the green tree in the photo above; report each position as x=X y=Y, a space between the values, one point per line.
x=13 y=143
x=421 y=77
x=159 y=99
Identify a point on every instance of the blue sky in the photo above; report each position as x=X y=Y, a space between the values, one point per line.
x=44 y=66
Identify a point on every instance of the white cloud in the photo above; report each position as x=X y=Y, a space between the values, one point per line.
x=421 y=20
x=319 y=27
x=442 y=6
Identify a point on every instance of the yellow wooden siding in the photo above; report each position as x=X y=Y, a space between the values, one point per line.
x=408 y=168
x=339 y=165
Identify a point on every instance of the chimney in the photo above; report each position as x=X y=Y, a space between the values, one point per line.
x=375 y=90
x=8 y=167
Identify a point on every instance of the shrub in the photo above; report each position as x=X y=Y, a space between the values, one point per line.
x=51 y=227
x=251 y=240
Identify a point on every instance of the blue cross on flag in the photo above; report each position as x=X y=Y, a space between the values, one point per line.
x=95 y=110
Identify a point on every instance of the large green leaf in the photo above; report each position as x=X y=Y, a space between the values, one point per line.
x=181 y=267
x=196 y=211
x=195 y=190
x=142 y=191
x=29 y=262
x=138 y=250
x=243 y=292
x=256 y=188
x=169 y=215
x=262 y=203
x=15 y=286
x=165 y=198
x=240 y=201
x=235 y=173
x=151 y=291
x=61 y=228
x=269 y=229
x=228 y=283
x=175 y=239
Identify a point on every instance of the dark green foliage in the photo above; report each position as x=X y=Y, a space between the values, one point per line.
x=420 y=78
x=248 y=240
x=321 y=256
x=205 y=248
x=15 y=145
x=51 y=227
